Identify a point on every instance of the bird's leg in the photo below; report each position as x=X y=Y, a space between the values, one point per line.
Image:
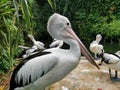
x=101 y=63
x=116 y=74
x=95 y=57
x=115 y=78
x=110 y=73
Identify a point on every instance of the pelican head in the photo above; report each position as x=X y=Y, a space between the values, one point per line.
x=59 y=23
x=59 y=27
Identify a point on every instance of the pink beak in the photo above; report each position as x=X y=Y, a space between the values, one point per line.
x=84 y=51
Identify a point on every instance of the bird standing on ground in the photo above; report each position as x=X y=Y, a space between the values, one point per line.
x=112 y=61
x=42 y=69
x=95 y=47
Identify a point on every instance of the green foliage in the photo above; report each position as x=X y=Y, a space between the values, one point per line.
x=51 y=4
x=9 y=44
x=109 y=30
x=9 y=34
x=84 y=15
x=26 y=14
x=40 y=14
x=5 y=11
x=90 y=13
x=23 y=11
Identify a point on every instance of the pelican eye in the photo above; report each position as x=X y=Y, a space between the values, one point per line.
x=67 y=23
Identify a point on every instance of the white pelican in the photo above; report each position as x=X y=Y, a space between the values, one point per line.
x=51 y=65
x=27 y=51
x=56 y=43
x=39 y=44
x=118 y=53
x=95 y=47
x=34 y=49
x=112 y=61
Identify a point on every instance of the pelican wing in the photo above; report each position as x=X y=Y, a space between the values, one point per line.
x=95 y=48
x=32 y=68
x=111 y=58
x=113 y=61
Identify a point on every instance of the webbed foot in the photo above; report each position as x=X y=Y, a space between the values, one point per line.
x=115 y=79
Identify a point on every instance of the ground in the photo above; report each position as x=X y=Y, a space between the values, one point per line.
x=87 y=77
x=84 y=77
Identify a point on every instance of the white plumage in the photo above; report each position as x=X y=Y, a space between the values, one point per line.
x=56 y=43
x=95 y=47
x=112 y=61
x=118 y=53
x=29 y=51
x=51 y=65
x=38 y=44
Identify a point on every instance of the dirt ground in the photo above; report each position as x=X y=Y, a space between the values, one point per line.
x=84 y=77
x=87 y=77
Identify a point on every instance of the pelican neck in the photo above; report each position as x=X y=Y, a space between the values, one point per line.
x=74 y=47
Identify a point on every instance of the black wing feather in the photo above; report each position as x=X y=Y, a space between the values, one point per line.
x=13 y=83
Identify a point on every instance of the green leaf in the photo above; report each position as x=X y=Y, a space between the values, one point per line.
x=50 y=3
x=16 y=9
x=26 y=13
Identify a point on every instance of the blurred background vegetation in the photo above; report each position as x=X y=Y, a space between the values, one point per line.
x=88 y=17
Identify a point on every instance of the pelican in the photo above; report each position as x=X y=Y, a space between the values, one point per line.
x=31 y=51
x=26 y=51
x=39 y=44
x=112 y=61
x=56 y=43
x=42 y=69
x=118 y=53
x=95 y=47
